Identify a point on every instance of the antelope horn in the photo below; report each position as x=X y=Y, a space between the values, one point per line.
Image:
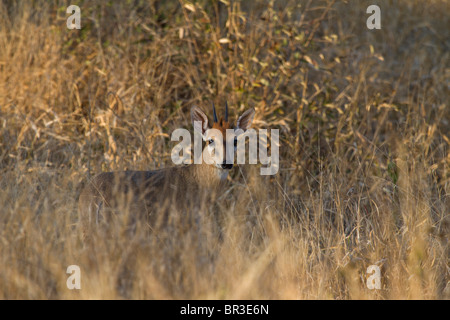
x=214 y=112
x=226 y=111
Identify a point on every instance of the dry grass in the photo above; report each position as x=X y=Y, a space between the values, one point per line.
x=364 y=123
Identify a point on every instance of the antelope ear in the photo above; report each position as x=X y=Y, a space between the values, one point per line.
x=199 y=120
x=245 y=120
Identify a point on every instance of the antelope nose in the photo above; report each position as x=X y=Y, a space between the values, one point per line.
x=226 y=166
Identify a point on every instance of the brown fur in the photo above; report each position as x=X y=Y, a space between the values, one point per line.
x=140 y=193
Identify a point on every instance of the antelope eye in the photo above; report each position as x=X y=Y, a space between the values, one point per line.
x=210 y=141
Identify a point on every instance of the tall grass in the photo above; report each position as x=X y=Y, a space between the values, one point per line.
x=364 y=146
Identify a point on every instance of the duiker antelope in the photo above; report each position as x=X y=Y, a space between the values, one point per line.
x=141 y=193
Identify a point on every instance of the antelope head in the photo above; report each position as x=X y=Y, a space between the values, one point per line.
x=217 y=135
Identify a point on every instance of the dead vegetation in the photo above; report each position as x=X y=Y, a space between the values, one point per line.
x=364 y=147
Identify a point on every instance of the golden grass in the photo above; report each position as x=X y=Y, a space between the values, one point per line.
x=364 y=122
